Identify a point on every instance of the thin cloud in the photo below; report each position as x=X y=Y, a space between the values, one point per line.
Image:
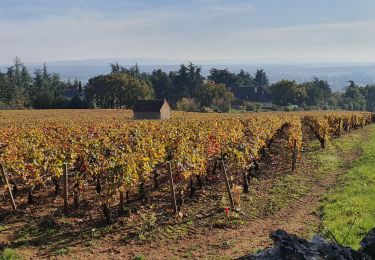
x=342 y=42
x=318 y=27
x=183 y=30
x=351 y=31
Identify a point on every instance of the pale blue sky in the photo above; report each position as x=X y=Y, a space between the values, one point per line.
x=233 y=31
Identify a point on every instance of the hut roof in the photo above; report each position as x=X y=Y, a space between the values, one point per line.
x=251 y=94
x=148 y=105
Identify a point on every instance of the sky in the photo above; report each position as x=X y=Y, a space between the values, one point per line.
x=216 y=31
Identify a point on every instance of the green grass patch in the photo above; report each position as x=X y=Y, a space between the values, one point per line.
x=3 y=228
x=333 y=157
x=324 y=161
x=349 y=209
x=10 y=254
x=286 y=189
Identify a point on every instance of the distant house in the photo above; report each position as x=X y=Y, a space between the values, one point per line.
x=252 y=95
x=70 y=93
x=152 y=109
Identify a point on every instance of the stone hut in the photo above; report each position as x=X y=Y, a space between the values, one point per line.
x=152 y=109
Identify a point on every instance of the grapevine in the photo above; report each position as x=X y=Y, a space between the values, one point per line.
x=119 y=155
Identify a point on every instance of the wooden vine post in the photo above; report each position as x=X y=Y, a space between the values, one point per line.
x=173 y=192
x=294 y=159
x=8 y=187
x=66 y=187
x=121 y=204
x=224 y=171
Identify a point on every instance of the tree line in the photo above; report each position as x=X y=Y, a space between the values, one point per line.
x=185 y=89
x=20 y=89
x=317 y=94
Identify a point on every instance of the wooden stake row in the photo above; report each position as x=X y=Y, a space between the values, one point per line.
x=66 y=187
x=171 y=182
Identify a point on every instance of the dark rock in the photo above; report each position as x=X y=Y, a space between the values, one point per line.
x=368 y=243
x=329 y=250
x=287 y=246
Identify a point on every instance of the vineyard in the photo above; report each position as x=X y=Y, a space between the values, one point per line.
x=114 y=157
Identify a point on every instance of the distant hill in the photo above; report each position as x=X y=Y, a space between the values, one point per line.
x=336 y=74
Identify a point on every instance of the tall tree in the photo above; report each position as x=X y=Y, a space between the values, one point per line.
x=244 y=79
x=161 y=84
x=354 y=97
x=47 y=90
x=224 y=76
x=318 y=92
x=80 y=87
x=132 y=70
x=370 y=97
x=186 y=81
x=40 y=85
x=261 y=79
x=115 y=67
x=6 y=93
x=19 y=81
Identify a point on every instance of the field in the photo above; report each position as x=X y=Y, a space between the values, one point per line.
x=119 y=200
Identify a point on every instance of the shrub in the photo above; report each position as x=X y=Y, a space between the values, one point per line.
x=187 y=105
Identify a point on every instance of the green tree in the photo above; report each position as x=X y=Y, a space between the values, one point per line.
x=115 y=67
x=6 y=92
x=370 y=97
x=56 y=85
x=231 y=80
x=40 y=86
x=354 y=98
x=80 y=87
x=18 y=89
x=334 y=99
x=286 y=92
x=47 y=85
x=19 y=81
x=215 y=96
x=261 y=79
x=116 y=90
x=161 y=84
x=133 y=71
x=185 y=82
x=318 y=92
x=244 y=79
x=224 y=77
